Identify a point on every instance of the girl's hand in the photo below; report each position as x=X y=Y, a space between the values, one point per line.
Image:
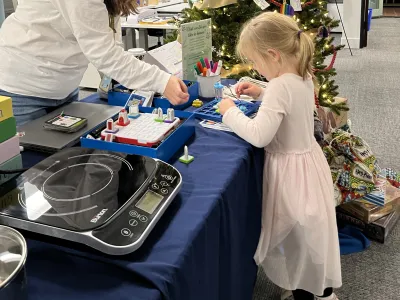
x=249 y=89
x=224 y=105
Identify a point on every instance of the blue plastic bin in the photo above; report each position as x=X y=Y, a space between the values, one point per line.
x=369 y=18
x=193 y=91
x=165 y=151
x=119 y=99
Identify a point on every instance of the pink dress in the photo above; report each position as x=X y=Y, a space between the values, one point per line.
x=299 y=245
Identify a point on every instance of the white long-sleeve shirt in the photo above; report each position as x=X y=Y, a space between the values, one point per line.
x=46 y=46
x=284 y=122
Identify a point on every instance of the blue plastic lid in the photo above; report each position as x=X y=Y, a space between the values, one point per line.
x=218 y=85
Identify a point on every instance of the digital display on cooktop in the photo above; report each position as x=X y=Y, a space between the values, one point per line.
x=149 y=202
x=77 y=189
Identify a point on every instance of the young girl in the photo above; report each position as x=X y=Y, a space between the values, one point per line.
x=298 y=247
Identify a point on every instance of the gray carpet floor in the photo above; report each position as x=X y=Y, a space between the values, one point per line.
x=371 y=81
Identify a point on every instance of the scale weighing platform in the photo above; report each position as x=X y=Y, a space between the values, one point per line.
x=106 y=200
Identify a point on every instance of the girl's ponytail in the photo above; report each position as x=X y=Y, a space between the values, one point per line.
x=306 y=53
x=277 y=31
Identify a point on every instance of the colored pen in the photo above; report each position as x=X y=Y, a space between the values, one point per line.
x=211 y=65
x=200 y=67
x=205 y=72
x=214 y=69
x=202 y=62
x=207 y=62
x=218 y=71
x=197 y=70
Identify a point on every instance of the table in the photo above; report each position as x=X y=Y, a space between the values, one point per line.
x=172 y=9
x=143 y=32
x=164 y=10
x=202 y=248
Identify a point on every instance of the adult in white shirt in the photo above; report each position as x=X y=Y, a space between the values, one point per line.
x=46 y=46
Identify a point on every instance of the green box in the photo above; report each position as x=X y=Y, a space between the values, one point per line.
x=8 y=129
x=11 y=164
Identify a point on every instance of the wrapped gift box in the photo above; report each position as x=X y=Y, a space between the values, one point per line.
x=368 y=212
x=378 y=230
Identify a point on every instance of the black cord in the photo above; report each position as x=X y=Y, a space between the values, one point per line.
x=15 y=171
x=344 y=30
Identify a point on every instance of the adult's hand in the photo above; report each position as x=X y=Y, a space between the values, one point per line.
x=176 y=91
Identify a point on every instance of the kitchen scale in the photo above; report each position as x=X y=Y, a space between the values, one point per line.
x=106 y=200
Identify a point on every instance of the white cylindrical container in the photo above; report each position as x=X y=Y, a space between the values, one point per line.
x=206 y=85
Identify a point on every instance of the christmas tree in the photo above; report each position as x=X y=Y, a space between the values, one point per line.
x=313 y=19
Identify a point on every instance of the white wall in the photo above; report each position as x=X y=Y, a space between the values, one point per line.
x=334 y=14
x=352 y=23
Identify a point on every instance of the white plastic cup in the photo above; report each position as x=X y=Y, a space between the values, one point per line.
x=139 y=53
x=206 y=85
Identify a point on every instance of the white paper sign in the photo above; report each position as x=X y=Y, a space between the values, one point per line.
x=262 y=4
x=169 y=56
x=196 y=44
x=296 y=4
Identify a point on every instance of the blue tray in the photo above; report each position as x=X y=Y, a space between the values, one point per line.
x=207 y=111
x=174 y=142
x=193 y=91
x=120 y=99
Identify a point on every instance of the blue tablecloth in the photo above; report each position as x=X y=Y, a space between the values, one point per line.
x=202 y=248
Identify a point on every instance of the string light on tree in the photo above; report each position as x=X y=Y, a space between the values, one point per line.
x=227 y=21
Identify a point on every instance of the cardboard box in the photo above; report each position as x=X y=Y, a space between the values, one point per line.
x=8 y=129
x=9 y=149
x=11 y=164
x=378 y=230
x=368 y=212
x=6 y=110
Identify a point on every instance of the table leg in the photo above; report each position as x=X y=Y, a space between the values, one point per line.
x=143 y=39
x=133 y=32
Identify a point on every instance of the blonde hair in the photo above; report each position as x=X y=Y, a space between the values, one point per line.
x=276 y=31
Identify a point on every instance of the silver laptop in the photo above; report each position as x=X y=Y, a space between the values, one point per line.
x=39 y=139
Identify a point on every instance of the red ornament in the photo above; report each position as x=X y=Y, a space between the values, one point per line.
x=308 y=3
x=316 y=100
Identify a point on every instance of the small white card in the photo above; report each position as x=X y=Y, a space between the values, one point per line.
x=296 y=4
x=262 y=4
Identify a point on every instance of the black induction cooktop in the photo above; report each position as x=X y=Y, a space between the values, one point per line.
x=109 y=201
